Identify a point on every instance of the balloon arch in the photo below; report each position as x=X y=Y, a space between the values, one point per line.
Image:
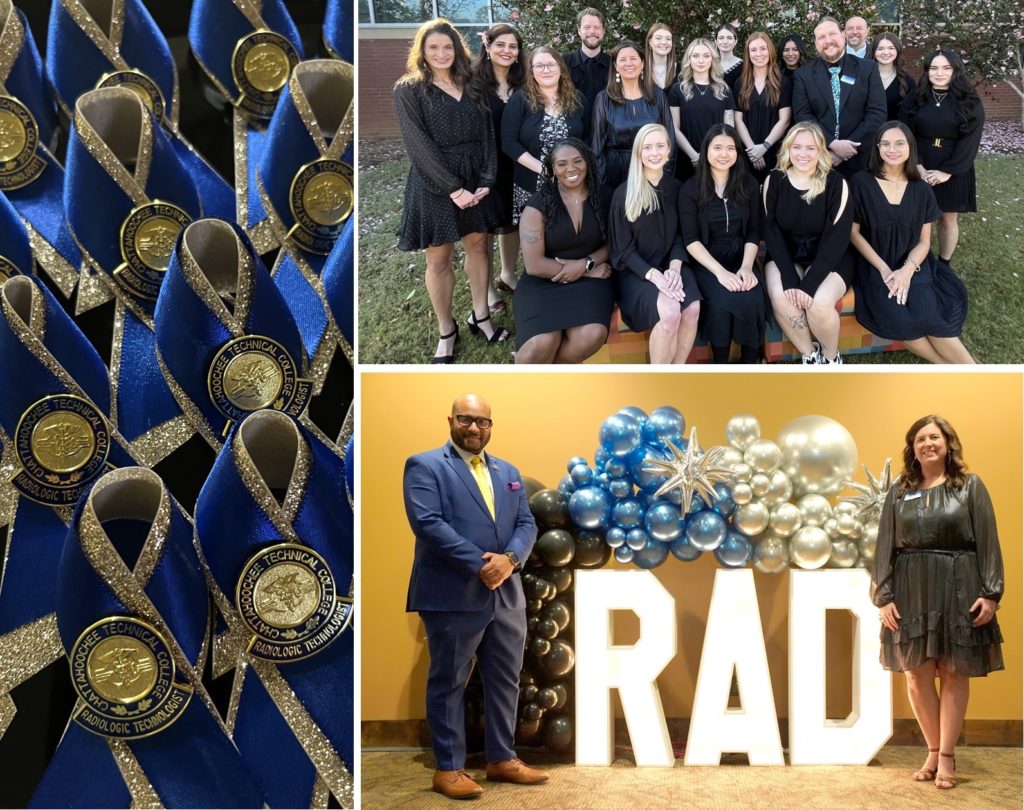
x=750 y=501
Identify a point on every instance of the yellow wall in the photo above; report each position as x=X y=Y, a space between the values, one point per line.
x=543 y=419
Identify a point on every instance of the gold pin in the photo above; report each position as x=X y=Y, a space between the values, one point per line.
x=321 y=198
x=261 y=64
x=148 y=236
x=254 y=372
x=140 y=84
x=19 y=140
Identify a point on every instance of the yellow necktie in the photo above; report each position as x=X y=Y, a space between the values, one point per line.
x=482 y=481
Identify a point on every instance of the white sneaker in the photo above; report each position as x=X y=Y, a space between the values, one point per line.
x=815 y=357
x=838 y=361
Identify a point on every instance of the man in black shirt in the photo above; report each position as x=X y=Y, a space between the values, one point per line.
x=588 y=65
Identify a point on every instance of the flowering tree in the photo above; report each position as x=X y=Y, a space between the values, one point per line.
x=988 y=35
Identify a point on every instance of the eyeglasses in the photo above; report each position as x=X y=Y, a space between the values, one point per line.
x=545 y=67
x=482 y=422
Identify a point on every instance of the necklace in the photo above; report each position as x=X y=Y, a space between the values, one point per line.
x=577 y=200
x=702 y=89
x=939 y=97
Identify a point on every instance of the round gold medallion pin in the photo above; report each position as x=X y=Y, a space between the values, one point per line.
x=140 y=84
x=288 y=598
x=19 y=139
x=148 y=236
x=261 y=65
x=255 y=372
x=321 y=199
x=123 y=670
x=61 y=443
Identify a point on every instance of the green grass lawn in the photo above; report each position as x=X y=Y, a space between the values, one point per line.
x=396 y=322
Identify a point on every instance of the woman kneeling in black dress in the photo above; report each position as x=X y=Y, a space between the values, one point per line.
x=903 y=293
x=657 y=291
x=563 y=302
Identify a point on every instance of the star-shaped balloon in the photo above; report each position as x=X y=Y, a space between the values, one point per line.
x=691 y=472
x=869 y=502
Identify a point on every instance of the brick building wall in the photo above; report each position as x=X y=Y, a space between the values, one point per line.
x=382 y=56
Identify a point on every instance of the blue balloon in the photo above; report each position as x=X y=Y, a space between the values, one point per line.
x=636 y=539
x=574 y=461
x=624 y=554
x=616 y=467
x=601 y=457
x=566 y=486
x=637 y=413
x=724 y=504
x=662 y=522
x=639 y=460
x=665 y=422
x=620 y=487
x=628 y=513
x=652 y=555
x=615 y=537
x=620 y=434
x=581 y=475
x=589 y=508
x=682 y=550
x=736 y=551
x=706 y=530
x=674 y=496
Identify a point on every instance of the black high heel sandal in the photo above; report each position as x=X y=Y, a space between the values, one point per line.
x=447 y=359
x=499 y=335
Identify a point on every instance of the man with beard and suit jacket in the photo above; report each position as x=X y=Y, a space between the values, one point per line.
x=588 y=64
x=474 y=531
x=843 y=94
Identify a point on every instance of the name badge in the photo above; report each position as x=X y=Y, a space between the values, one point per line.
x=848 y=79
x=911 y=496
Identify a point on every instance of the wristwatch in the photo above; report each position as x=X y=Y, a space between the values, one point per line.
x=513 y=558
x=590 y=264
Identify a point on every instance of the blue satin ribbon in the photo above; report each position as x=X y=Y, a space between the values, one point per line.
x=14 y=245
x=231 y=526
x=189 y=334
x=39 y=203
x=77 y=64
x=190 y=762
x=338 y=278
x=338 y=24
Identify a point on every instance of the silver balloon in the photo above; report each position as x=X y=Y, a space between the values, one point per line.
x=844 y=554
x=861 y=562
x=750 y=518
x=742 y=472
x=785 y=519
x=742 y=493
x=759 y=482
x=831 y=527
x=771 y=555
x=868 y=541
x=780 y=490
x=844 y=508
x=818 y=454
x=742 y=431
x=815 y=509
x=730 y=457
x=845 y=523
x=857 y=532
x=810 y=547
x=763 y=455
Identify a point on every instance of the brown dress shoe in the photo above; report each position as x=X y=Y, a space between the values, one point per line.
x=514 y=770
x=456 y=785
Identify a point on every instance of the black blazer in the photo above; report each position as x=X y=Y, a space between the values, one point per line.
x=862 y=106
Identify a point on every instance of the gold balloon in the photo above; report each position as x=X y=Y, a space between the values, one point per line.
x=750 y=518
x=759 y=482
x=771 y=556
x=844 y=554
x=742 y=471
x=815 y=509
x=742 y=431
x=810 y=547
x=763 y=455
x=785 y=519
x=818 y=454
x=780 y=490
x=868 y=541
x=742 y=494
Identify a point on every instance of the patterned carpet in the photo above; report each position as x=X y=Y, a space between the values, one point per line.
x=987 y=778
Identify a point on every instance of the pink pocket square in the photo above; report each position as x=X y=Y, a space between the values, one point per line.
x=514 y=485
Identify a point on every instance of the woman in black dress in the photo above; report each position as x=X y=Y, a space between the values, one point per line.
x=698 y=101
x=808 y=216
x=726 y=40
x=625 y=105
x=660 y=56
x=497 y=74
x=448 y=137
x=720 y=217
x=946 y=116
x=887 y=53
x=564 y=301
x=902 y=292
x=764 y=104
x=657 y=290
x=937 y=580
x=792 y=54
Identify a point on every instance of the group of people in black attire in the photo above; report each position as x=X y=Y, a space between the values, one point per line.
x=627 y=178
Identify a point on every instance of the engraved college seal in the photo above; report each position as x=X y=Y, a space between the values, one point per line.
x=261 y=65
x=254 y=372
x=321 y=199
x=147 y=240
x=19 y=139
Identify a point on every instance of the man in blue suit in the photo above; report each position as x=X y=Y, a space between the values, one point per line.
x=474 y=531
x=851 y=121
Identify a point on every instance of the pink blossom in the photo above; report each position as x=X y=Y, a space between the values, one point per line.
x=548 y=7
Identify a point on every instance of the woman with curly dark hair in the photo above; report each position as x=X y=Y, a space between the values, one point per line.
x=887 y=52
x=449 y=139
x=946 y=116
x=657 y=290
x=937 y=580
x=564 y=301
x=497 y=74
x=792 y=54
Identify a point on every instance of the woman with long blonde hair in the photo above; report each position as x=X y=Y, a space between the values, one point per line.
x=698 y=100
x=808 y=216
x=657 y=289
x=764 y=104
